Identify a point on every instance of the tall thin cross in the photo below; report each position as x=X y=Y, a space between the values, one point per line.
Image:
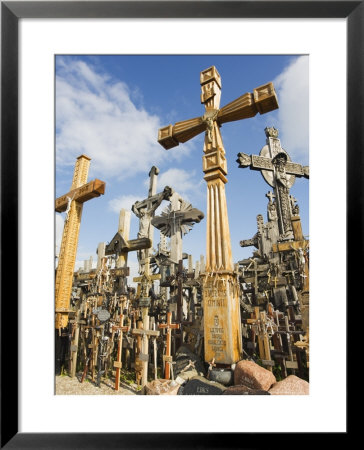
x=222 y=327
x=72 y=202
x=145 y=211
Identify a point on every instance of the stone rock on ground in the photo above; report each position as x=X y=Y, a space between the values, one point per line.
x=223 y=376
x=244 y=390
x=182 y=359
x=291 y=385
x=201 y=386
x=252 y=375
x=161 y=387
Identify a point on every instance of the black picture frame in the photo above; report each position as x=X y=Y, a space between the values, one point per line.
x=11 y=12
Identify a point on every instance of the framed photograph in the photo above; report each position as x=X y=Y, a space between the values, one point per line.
x=42 y=40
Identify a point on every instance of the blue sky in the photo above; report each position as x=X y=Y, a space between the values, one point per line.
x=111 y=107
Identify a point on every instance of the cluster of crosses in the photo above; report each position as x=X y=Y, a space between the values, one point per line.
x=223 y=312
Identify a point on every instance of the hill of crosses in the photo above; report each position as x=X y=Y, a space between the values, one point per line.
x=214 y=326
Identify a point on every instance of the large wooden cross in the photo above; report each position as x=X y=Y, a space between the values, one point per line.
x=72 y=203
x=222 y=327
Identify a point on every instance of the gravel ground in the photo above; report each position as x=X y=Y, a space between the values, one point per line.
x=72 y=386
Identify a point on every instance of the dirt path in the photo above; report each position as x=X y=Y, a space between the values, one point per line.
x=64 y=385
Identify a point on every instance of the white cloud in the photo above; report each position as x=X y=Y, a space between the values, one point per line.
x=96 y=116
x=123 y=202
x=292 y=87
x=182 y=182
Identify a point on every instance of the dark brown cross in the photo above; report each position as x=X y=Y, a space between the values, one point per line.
x=169 y=326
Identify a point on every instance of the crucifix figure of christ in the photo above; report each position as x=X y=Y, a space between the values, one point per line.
x=222 y=327
x=79 y=193
x=280 y=173
x=145 y=211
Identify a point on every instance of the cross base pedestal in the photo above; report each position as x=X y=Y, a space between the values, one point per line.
x=222 y=324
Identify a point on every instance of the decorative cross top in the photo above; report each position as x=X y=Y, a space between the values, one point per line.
x=272 y=160
x=172 y=221
x=177 y=219
x=279 y=172
x=262 y=100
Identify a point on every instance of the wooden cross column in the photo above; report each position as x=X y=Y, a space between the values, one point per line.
x=72 y=203
x=167 y=357
x=222 y=327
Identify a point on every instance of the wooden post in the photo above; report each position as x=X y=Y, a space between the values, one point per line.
x=74 y=344
x=167 y=357
x=138 y=363
x=142 y=359
x=117 y=363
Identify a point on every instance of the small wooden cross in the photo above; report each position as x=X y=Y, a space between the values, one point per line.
x=145 y=283
x=167 y=357
x=259 y=319
x=142 y=357
x=117 y=363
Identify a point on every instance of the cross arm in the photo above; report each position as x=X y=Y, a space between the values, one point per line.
x=146 y=332
x=124 y=329
x=93 y=189
x=171 y=135
x=146 y=278
x=169 y=325
x=261 y=163
x=119 y=245
x=190 y=216
x=262 y=100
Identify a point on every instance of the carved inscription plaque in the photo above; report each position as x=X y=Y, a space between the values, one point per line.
x=221 y=320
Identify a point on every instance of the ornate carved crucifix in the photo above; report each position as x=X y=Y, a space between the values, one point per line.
x=220 y=286
x=279 y=172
